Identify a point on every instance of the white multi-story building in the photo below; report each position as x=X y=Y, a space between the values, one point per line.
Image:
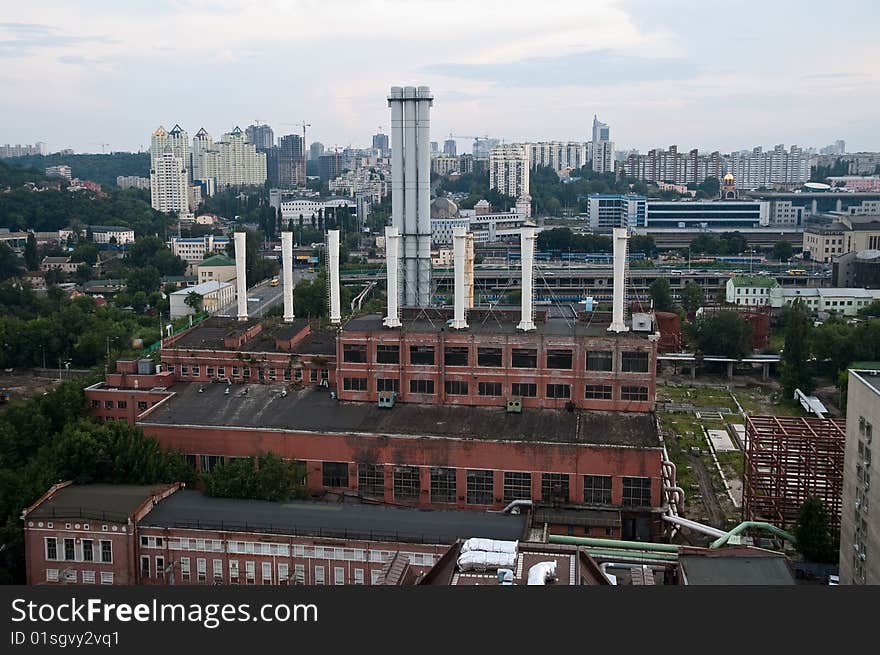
x=672 y=166
x=192 y=249
x=509 y=170
x=132 y=182
x=603 y=156
x=778 y=167
x=231 y=161
x=168 y=182
x=59 y=171
x=443 y=165
x=373 y=183
x=821 y=299
x=112 y=233
x=751 y=291
x=215 y=296
x=558 y=155
x=309 y=208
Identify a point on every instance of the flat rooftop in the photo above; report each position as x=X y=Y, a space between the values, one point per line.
x=192 y=509
x=735 y=570
x=210 y=335
x=111 y=502
x=313 y=410
x=494 y=324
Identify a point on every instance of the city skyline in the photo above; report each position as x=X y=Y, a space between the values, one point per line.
x=643 y=69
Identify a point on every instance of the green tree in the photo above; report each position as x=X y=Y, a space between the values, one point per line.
x=8 y=262
x=782 y=251
x=55 y=276
x=267 y=477
x=31 y=259
x=692 y=297
x=83 y=273
x=643 y=243
x=815 y=540
x=194 y=300
x=795 y=373
x=724 y=334
x=146 y=279
x=85 y=252
x=661 y=294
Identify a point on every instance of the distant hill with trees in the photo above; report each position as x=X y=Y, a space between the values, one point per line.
x=97 y=168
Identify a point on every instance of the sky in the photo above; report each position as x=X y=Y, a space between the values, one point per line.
x=726 y=75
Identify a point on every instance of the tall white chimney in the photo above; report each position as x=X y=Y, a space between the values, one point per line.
x=527 y=240
x=240 y=274
x=287 y=274
x=620 y=237
x=392 y=262
x=333 y=265
x=459 y=247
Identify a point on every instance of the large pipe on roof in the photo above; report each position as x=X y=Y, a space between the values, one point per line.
x=287 y=273
x=459 y=246
x=333 y=266
x=612 y=543
x=392 y=277
x=619 y=298
x=240 y=274
x=527 y=256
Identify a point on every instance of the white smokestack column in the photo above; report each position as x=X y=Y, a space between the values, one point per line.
x=392 y=262
x=527 y=256
x=240 y=274
x=620 y=238
x=287 y=272
x=423 y=218
x=333 y=265
x=459 y=245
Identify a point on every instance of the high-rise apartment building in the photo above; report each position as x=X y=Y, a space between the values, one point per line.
x=603 y=156
x=291 y=161
x=483 y=145
x=231 y=161
x=450 y=148
x=330 y=166
x=169 y=170
x=859 y=522
x=558 y=155
x=509 y=170
x=39 y=148
x=778 y=167
x=261 y=136
x=671 y=166
x=316 y=149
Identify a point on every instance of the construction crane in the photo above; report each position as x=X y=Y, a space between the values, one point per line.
x=103 y=146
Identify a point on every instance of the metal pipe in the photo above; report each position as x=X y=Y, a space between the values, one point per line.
x=693 y=525
x=287 y=273
x=241 y=274
x=753 y=525
x=459 y=237
x=633 y=555
x=611 y=543
x=619 y=297
x=511 y=505
x=333 y=265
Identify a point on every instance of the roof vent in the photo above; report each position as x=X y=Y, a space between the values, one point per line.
x=514 y=405
x=386 y=398
x=505 y=577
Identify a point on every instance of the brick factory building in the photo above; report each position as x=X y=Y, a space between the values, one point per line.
x=163 y=534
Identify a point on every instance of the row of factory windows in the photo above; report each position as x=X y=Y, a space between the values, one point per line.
x=78 y=550
x=496 y=389
x=245 y=372
x=480 y=485
x=635 y=361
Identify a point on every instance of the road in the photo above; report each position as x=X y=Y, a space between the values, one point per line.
x=263 y=296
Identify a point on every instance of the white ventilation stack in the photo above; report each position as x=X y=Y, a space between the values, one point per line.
x=620 y=237
x=333 y=265
x=459 y=248
x=527 y=240
x=392 y=262
x=287 y=273
x=240 y=274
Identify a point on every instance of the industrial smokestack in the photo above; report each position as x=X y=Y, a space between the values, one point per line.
x=392 y=262
x=527 y=256
x=469 y=271
x=333 y=266
x=287 y=273
x=459 y=245
x=620 y=237
x=240 y=274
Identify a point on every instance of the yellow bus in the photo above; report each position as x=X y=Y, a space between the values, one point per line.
x=274 y=282
x=797 y=271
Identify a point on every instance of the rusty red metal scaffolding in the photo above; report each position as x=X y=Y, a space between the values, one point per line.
x=789 y=459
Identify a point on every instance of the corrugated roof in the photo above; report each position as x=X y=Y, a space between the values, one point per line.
x=217 y=260
x=754 y=281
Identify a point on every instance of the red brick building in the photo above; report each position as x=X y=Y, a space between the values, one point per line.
x=124 y=534
x=565 y=360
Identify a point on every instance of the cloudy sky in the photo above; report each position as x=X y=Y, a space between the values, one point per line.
x=723 y=75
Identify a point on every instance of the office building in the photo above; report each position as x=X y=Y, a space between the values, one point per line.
x=261 y=136
x=607 y=211
x=193 y=249
x=411 y=190
x=380 y=144
x=860 y=527
x=509 y=170
x=111 y=234
x=291 y=161
x=601 y=131
x=845 y=235
x=483 y=226
x=728 y=214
